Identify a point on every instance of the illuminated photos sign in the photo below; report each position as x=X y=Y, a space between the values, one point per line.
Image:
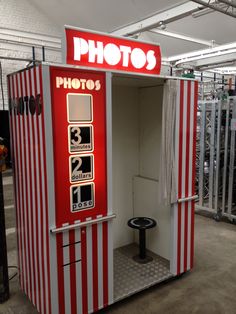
x=111 y=53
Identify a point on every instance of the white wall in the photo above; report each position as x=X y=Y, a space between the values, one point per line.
x=146 y=186
x=125 y=159
x=137 y=119
x=150 y=106
x=21 y=27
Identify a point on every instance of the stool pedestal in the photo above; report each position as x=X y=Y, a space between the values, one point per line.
x=142 y=223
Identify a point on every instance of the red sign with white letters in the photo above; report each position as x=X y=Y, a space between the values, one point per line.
x=112 y=53
x=79 y=139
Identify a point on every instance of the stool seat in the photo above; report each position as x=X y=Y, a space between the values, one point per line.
x=142 y=223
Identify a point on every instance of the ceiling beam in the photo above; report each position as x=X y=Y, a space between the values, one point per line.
x=166 y=16
x=214 y=7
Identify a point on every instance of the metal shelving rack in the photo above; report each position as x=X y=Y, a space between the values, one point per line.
x=216 y=162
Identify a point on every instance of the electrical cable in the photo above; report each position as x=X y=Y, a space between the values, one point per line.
x=13 y=267
x=3 y=102
x=13 y=276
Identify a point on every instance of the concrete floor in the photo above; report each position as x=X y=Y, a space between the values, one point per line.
x=209 y=288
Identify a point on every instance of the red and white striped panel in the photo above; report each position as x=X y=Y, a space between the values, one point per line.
x=29 y=162
x=185 y=152
x=85 y=269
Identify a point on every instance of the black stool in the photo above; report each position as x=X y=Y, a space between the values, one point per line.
x=142 y=223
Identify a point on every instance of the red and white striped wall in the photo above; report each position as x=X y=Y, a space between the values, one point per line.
x=29 y=162
x=84 y=269
x=182 y=213
x=71 y=271
x=66 y=272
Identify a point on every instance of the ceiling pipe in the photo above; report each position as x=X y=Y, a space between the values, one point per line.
x=206 y=4
x=172 y=14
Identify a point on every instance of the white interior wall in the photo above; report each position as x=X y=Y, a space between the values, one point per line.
x=146 y=203
x=125 y=159
x=150 y=106
x=136 y=127
x=146 y=194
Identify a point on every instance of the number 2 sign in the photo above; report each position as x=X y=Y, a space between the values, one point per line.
x=81 y=168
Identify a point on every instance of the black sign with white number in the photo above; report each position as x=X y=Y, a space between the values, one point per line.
x=82 y=197
x=81 y=168
x=80 y=138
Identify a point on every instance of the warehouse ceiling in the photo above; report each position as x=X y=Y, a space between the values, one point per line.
x=196 y=26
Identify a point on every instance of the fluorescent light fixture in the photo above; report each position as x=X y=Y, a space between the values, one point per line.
x=205 y=53
x=210 y=55
x=181 y=36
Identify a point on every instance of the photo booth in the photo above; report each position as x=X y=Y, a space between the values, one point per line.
x=104 y=170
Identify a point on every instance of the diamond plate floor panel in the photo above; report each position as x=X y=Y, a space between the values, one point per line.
x=131 y=277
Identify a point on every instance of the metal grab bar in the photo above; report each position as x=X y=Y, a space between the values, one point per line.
x=186 y=199
x=82 y=224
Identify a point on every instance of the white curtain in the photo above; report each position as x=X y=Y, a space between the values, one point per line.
x=168 y=189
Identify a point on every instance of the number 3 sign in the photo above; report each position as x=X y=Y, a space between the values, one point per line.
x=80 y=138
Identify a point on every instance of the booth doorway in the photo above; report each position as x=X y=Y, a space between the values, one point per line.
x=136 y=145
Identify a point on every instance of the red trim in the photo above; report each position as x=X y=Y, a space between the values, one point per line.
x=35 y=170
x=180 y=173
x=25 y=203
x=42 y=210
x=188 y=104
x=27 y=188
x=19 y=157
x=60 y=276
x=45 y=191
x=95 y=266
x=84 y=269
x=29 y=92
x=105 y=262
x=72 y=272
x=194 y=170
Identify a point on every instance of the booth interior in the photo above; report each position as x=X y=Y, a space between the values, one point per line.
x=136 y=149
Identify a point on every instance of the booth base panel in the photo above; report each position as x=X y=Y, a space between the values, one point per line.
x=131 y=277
